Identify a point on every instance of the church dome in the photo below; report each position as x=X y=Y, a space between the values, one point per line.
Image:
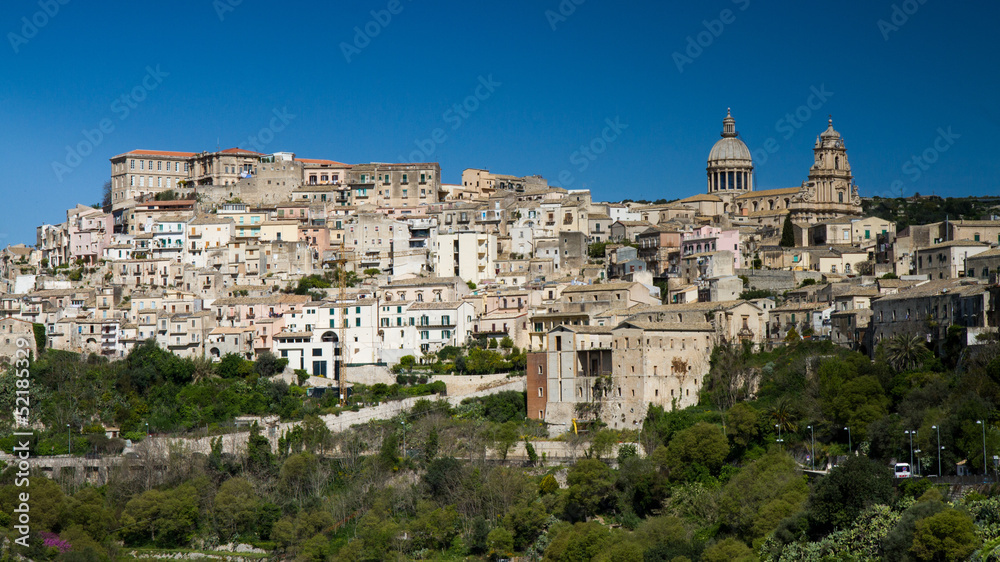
x=729 y=147
x=730 y=164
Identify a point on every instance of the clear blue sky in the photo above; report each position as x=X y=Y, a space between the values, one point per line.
x=892 y=88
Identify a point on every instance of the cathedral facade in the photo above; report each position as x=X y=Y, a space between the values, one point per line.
x=828 y=193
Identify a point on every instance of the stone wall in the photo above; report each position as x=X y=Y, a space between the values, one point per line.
x=777 y=280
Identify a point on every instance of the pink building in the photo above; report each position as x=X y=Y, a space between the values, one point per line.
x=317 y=236
x=89 y=232
x=711 y=239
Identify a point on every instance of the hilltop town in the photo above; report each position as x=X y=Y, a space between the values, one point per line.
x=342 y=267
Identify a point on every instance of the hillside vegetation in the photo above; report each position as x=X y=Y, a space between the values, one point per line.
x=717 y=484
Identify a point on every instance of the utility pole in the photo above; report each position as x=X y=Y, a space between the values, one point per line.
x=938 y=447
x=812 y=457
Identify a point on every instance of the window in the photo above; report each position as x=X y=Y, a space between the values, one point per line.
x=425 y=335
x=319 y=368
x=131 y=164
x=317 y=352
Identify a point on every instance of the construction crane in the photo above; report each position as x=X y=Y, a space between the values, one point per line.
x=341 y=262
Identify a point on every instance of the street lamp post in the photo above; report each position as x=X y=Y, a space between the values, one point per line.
x=69 y=440
x=403 y=423
x=985 y=470
x=812 y=458
x=850 y=445
x=147 y=430
x=938 y=429
x=910 y=433
x=780 y=440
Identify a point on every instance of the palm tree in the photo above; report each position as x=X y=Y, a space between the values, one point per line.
x=783 y=414
x=905 y=352
x=203 y=369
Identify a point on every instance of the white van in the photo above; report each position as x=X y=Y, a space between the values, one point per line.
x=902 y=470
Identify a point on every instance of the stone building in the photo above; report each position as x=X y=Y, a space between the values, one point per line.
x=614 y=374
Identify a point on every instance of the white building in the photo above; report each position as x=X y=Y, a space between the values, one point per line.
x=469 y=255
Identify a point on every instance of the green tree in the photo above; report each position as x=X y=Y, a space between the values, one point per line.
x=596 y=250
x=260 y=460
x=233 y=366
x=431 y=444
x=267 y=364
x=235 y=508
x=839 y=497
x=106 y=194
x=582 y=541
x=703 y=444
x=743 y=425
x=41 y=338
x=407 y=362
x=591 y=484
x=506 y=435
x=161 y=518
x=602 y=443
x=388 y=455
x=297 y=474
x=758 y=497
x=906 y=352
x=792 y=335
x=728 y=550
x=88 y=509
x=787 y=233
x=948 y=535
x=500 y=542
x=548 y=485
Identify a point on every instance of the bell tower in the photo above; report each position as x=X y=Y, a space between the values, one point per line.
x=830 y=174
